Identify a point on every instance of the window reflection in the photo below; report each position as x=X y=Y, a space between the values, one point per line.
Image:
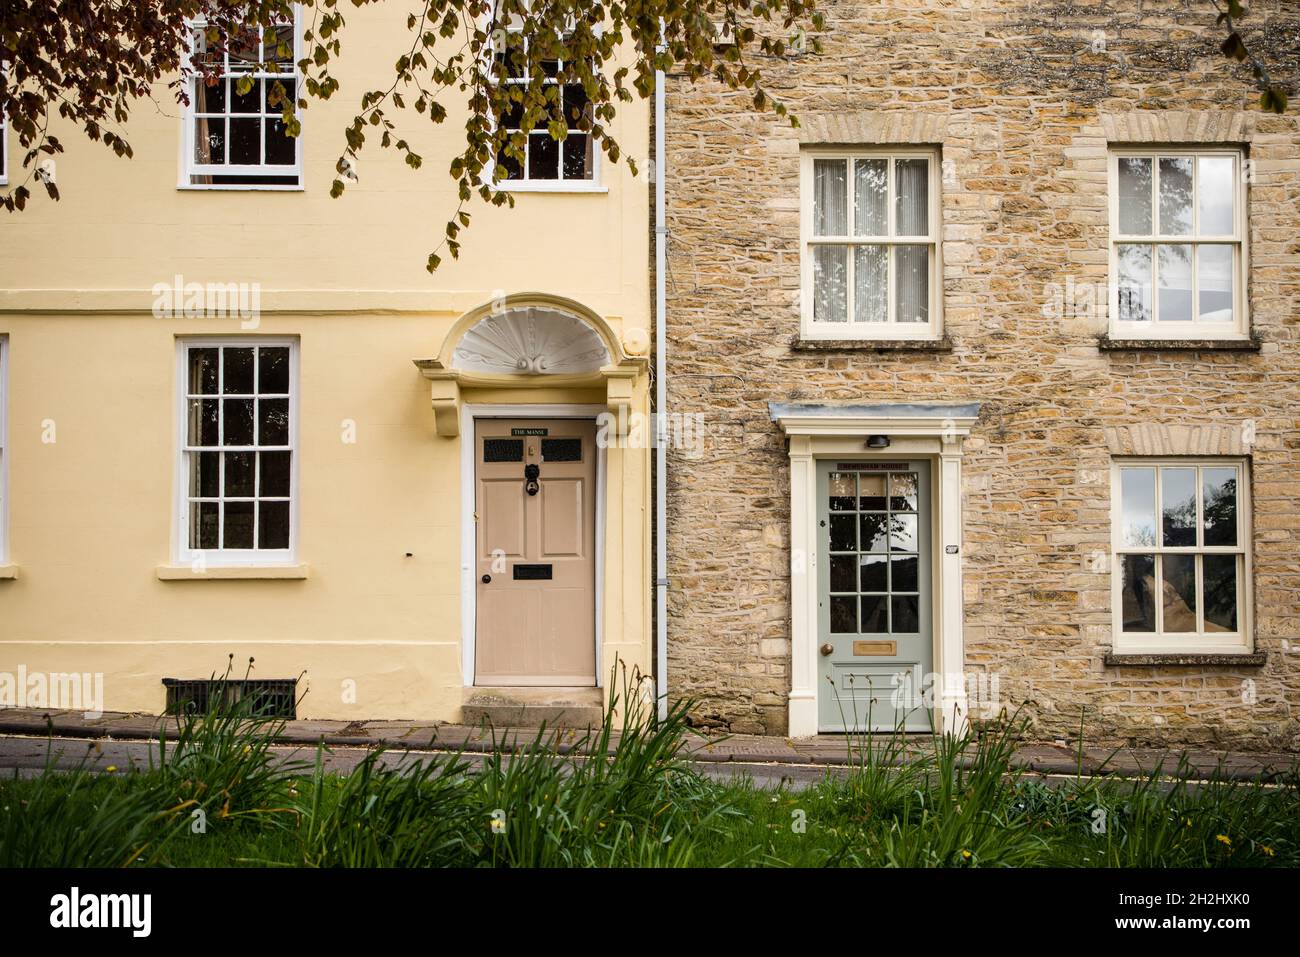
x=1178 y=592
x=1138 y=499
x=1178 y=505
x=1180 y=579
x=1138 y=593
x=882 y=569
x=1220 y=510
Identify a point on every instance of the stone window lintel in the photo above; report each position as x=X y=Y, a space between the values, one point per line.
x=1169 y=127
x=873 y=128
x=1152 y=439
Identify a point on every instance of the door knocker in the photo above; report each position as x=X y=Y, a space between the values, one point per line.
x=531 y=485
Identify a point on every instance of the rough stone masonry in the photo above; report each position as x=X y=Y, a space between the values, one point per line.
x=1023 y=102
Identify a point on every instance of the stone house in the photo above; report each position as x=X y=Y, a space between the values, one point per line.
x=996 y=354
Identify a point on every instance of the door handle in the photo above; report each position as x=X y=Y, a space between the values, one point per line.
x=487 y=579
x=827 y=649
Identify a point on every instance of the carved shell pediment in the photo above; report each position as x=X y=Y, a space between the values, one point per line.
x=531 y=340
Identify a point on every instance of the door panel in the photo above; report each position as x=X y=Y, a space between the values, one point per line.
x=535 y=581
x=864 y=689
x=563 y=656
x=501 y=517
x=875 y=594
x=563 y=518
x=509 y=625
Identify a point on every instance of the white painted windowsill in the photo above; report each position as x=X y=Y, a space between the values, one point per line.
x=175 y=573
x=549 y=187
x=238 y=188
x=8 y=572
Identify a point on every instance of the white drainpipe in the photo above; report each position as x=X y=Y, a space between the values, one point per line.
x=661 y=421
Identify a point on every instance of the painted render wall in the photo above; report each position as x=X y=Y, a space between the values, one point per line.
x=90 y=515
x=1022 y=108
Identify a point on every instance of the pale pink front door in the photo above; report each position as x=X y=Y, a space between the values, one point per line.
x=535 y=508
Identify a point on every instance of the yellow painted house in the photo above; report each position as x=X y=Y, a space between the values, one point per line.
x=239 y=417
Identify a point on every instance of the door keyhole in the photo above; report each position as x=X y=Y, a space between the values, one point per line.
x=531 y=473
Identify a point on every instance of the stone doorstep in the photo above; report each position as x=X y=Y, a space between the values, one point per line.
x=517 y=707
x=504 y=716
x=825 y=751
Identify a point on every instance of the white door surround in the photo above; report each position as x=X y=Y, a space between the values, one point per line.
x=914 y=430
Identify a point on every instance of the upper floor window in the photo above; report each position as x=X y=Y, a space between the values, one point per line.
x=1177 y=229
x=238 y=402
x=1182 y=565
x=546 y=163
x=870 y=227
x=235 y=134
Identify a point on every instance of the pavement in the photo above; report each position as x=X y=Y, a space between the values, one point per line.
x=25 y=742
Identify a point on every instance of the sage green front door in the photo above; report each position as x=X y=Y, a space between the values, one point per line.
x=874 y=595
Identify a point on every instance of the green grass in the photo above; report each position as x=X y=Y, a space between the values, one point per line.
x=218 y=798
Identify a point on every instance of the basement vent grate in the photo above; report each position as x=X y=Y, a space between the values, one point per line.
x=269 y=698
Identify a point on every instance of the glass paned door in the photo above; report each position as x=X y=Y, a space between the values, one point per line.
x=875 y=637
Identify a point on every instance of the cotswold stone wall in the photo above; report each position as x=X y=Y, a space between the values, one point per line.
x=1023 y=100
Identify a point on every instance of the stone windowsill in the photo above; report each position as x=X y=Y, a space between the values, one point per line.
x=176 y=573
x=871 y=345
x=1251 y=659
x=8 y=572
x=1107 y=344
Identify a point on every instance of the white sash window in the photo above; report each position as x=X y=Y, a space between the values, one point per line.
x=1177 y=250
x=238 y=140
x=238 y=468
x=870 y=227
